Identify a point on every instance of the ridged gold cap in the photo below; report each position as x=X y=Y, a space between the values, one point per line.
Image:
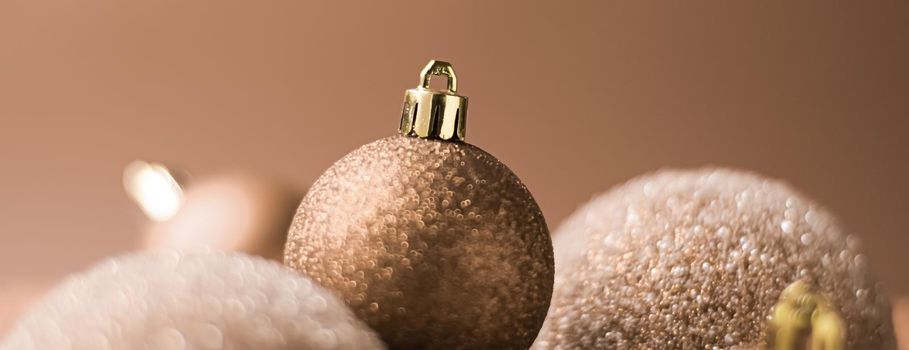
x=804 y=319
x=434 y=114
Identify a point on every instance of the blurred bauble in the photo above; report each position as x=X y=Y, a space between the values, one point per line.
x=231 y=212
x=167 y=300
x=697 y=260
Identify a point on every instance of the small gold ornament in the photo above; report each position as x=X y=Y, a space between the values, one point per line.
x=698 y=260
x=805 y=320
x=432 y=241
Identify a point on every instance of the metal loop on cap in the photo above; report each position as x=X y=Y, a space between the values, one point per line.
x=803 y=317
x=435 y=114
x=439 y=68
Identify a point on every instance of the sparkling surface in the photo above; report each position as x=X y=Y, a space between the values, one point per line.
x=696 y=260
x=168 y=300
x=437 y=245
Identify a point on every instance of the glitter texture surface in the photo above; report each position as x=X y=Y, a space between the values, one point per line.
x=168 y=300
x=696 y=260
x=436 y=245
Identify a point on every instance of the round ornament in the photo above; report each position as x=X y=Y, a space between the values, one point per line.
x=168 y=300
x=232 y=212
x=710 y=259
x=432 y=241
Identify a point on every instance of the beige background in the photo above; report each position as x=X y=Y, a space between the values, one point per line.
x=574 y=97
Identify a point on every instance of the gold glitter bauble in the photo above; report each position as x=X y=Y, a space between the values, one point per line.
x=435 y=244
x=697 y=260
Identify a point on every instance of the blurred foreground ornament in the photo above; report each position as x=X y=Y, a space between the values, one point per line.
x=432 y=241
x=231 y=212
x=167 y=300
x=698 y=259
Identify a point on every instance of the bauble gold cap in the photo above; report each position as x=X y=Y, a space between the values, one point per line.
x=804 y=317
x=435 y=114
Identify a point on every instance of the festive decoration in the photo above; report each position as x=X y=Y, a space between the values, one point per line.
x=154 y=189
x=167 y=300
x=231 y=212
x=698 y=259
x=432 y=241
x=803 y=316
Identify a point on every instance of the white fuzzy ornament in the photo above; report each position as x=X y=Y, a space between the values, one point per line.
x=169 y=300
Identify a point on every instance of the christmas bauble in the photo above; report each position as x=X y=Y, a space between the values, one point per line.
x=168 y=300
x=430 y=240
x=232 y=212
x=698 y=260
